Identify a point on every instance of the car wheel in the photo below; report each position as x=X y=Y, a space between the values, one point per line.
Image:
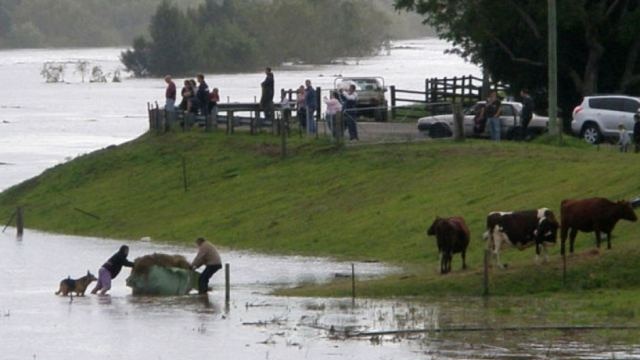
x=591 y=134
x=439 y=131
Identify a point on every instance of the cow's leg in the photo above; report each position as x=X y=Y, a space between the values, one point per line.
x=442 y=260
x=598 y=239
x=496 y=251
x=608 y=240
x=572 y=239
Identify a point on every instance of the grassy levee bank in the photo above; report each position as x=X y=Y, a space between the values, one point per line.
x=364 y=202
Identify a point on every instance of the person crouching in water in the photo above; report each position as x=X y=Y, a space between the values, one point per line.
x=111 y=269
x=210 y=258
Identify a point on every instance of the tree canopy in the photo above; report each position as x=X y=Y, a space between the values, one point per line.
x=233 y=35
x=598 y=51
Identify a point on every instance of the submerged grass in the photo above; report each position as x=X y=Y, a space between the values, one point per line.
x=363 y=202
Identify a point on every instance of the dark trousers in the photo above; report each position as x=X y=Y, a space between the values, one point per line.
x=203 y=283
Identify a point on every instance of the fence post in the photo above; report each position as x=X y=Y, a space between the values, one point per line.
x=227 y=284
x=229 y=122
x=284 y=120
x=454 y=93
x=319 y=107
x=485 y=278
x=458 y=118
x=353 y=284
x=564 y=269
x=392 y=90
x=19 y=220
x=338 y=129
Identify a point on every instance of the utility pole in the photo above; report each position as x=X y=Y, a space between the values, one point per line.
x=555 y=127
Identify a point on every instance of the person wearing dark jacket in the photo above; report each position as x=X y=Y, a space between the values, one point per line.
x=203 y=95
x=111 y=269
x=266 y=98
x=527 y=112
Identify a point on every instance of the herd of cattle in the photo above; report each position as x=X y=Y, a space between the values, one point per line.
x=539 y=227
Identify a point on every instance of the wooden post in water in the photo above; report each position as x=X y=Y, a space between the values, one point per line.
x=392 y=91
x=19 y=221
x=353 y=284
x=485 y=279
x=227 y=284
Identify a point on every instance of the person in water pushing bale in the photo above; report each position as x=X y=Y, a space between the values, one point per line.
x=210 y=258
x=111 y=269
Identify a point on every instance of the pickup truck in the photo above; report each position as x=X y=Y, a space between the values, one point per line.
x=371 y=95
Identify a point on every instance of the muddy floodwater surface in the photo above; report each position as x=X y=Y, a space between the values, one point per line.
x=36 y=324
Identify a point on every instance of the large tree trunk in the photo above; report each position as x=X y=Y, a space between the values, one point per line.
x=592 y=67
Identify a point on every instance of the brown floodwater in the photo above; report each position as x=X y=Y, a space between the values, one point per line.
x=36 y=324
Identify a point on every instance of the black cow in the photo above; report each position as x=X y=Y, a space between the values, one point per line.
x=452 y=235
x=521 y=229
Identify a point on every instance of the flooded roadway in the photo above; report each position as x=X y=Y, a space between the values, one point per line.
x=36 y=324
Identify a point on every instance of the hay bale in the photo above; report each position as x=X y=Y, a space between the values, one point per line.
x=143 y=264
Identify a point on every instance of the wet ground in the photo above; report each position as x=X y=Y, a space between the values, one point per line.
x=36 y=324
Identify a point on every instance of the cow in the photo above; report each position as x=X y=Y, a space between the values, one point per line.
x=521 y=229
x=596 y=214
x=452 y=235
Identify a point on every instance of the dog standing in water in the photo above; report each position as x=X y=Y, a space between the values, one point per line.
x=78 y=286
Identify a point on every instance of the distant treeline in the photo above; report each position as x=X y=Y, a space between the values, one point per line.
x=78 y=23
x=240 y=35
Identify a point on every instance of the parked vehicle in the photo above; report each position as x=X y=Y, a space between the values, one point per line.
x=371 y=95
x=597 y=118
x=442 y=125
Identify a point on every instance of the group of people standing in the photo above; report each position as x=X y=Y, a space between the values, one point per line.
x=488 y=115
x=196 y=96
x=197 y=99
x=339 y=101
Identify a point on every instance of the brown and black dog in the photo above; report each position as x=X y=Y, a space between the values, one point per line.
x=78 y=286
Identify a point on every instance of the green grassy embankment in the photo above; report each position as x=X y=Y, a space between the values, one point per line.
x=363 y=202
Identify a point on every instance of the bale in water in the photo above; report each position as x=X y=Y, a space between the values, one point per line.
x=162 y=274
x=143 y=264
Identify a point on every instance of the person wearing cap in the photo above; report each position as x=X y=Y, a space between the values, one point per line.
x=636 y=131
x=209 y=257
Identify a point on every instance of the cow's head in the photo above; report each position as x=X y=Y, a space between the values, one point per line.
x=434 y=226
x=625 y=211
x=547 y=229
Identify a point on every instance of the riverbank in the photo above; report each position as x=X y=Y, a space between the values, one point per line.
x=369 y=202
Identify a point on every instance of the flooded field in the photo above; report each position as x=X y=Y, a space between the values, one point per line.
x=36 y=324
x=56 y=122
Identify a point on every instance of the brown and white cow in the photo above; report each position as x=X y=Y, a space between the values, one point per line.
x=596 y=214
x=452 y=235
x=521 y=229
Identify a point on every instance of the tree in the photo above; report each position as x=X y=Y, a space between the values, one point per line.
x=599 y=41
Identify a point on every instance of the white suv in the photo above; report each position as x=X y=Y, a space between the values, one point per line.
x=598 y=117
